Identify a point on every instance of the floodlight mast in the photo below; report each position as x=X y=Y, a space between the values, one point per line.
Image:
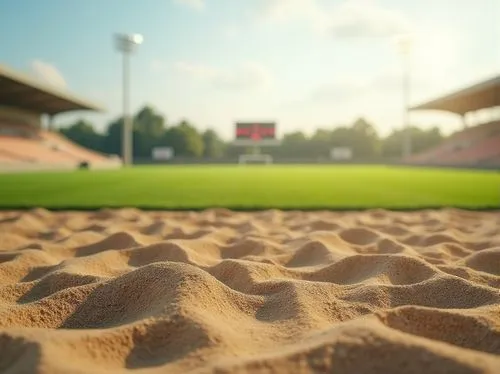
x=127 y=44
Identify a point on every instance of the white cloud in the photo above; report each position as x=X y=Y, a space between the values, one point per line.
x=361 y=18
x=248 y=76
x=426 y=46
x=193 y=4
x=230 y=32
x=48 y=73
x=428 y=74
x=351 y=18
x=156 y=65
x=335 y=93
x=358 y=88
x=197 y=71
x=380 y=97
x=289 y=10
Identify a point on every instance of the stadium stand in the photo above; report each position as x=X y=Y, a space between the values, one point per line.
x=473 y=146
x=24 y=145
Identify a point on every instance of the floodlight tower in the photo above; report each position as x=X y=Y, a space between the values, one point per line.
x=127 y=44
x=405 y=44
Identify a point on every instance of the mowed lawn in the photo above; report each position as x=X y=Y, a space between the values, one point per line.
x=252 y=187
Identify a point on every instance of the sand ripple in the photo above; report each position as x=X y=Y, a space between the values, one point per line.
x=222 y=292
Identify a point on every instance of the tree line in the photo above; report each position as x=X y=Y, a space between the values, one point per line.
x=150 y=129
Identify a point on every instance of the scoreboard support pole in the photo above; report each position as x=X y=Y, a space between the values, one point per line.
x=255 y=155
x=252 y=136
x=255 y=150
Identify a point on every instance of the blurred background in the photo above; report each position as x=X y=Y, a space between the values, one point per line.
x=341 y=80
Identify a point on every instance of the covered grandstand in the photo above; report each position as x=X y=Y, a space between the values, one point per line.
x=473 y=146
x=24 y=144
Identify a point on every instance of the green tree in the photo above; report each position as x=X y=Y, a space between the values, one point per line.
x=185 y=140
x=294 y=145
x=84 y=134
x=421 y=140
x=365 y=141
x=148 y=132
x=320 y=144
x=149 y=122
x=342 y=137
x=112 y=143
x=213 y=146
x=361 y=137
x=149 y=128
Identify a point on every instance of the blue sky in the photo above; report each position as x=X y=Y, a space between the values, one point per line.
x=303 y=63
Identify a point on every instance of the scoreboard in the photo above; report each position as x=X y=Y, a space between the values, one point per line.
x=255 y=135
x=255 y=131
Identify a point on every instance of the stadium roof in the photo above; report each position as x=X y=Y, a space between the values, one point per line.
x=479 y=96
x=20 y=91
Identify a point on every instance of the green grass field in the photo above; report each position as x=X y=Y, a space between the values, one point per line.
x=253 y=187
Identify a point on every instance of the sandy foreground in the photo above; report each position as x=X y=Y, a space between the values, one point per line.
x=265 y=292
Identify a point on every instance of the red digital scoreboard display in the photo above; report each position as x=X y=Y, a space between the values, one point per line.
x=256 y=131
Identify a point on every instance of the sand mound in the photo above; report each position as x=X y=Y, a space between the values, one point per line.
x=265 y=292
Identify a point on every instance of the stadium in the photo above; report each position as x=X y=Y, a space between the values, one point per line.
x=477 y=145
x=24 y=144
x=152 y=245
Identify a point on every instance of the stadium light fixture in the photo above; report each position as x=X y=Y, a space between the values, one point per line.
x=127 y=44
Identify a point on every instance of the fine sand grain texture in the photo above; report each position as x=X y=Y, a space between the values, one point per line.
x=118 y=291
